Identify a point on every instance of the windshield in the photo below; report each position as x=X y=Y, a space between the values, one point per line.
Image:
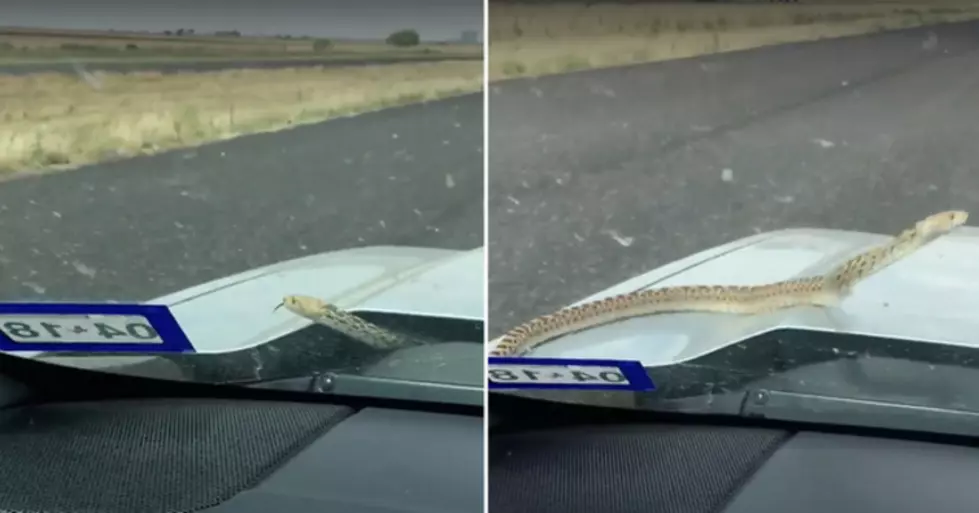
x=173 y=181
x=670 y=182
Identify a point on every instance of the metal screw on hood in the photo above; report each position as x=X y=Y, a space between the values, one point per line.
x=324 y=382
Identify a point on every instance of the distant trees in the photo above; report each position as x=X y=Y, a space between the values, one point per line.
x=179 y=32
x=408 y=37
x=401 y=38
x=322 y=45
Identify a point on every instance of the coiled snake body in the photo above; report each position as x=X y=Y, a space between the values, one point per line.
x=825 y=290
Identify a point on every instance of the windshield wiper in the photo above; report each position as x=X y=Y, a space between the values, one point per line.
x=374 y=386
x=820 y=409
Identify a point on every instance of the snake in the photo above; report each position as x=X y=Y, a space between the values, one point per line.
x=821 y=290
x=353 y=326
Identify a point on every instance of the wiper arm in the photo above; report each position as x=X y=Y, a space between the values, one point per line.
x=374 y=386
x=819 y=409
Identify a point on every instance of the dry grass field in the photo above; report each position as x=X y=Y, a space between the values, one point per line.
x=534 y=39
x=59 y=121
x=52 y=121
x=33 y=45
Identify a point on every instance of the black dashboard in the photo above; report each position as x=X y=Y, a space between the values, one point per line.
x=578 y=459
x=73 y=440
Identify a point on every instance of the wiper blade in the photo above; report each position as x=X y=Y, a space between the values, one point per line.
x=374 y=386
x=812 y=408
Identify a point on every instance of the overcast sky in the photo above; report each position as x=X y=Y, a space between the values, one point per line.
x=360 y=19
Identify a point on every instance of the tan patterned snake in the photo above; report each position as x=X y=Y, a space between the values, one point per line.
x=825 y=290
x=321 y=312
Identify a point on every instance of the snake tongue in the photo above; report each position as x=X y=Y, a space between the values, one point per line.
x=280 y=305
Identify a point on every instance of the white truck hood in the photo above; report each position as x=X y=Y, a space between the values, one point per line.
x=931 y=295
x=236 y=312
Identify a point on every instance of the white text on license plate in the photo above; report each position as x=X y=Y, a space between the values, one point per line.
x=557 y=375
x=91 y=329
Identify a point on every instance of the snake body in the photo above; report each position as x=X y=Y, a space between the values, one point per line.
x=823 y=290
x=368 y=333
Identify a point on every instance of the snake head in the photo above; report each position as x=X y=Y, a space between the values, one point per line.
x=943 y=222
x=303 y=305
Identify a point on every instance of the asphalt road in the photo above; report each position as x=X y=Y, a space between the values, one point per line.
x=598 y=176
x=136 y=229
x=202 y=66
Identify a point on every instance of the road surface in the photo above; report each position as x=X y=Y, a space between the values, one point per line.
x=601 y=175
x=202 y=66
x=140 y=228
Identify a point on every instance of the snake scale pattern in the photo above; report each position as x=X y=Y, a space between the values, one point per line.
x=824 y=290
